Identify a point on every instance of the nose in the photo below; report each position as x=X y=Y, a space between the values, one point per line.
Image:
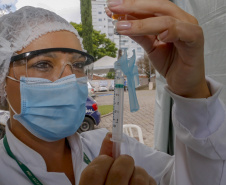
x=66 y=70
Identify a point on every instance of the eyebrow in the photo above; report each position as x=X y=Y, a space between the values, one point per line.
x=77 y=55
x=49 y=54
x=74 y=56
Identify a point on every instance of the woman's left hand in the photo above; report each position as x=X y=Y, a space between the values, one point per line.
x=104 y=170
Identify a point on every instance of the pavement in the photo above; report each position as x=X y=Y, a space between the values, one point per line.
x=143 y=118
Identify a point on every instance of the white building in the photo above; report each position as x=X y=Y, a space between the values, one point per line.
x=103 y=23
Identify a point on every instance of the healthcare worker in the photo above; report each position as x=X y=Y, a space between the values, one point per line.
x=43 y=81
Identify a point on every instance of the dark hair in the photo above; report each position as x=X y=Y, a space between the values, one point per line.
x=2 y=131
x=6 y=107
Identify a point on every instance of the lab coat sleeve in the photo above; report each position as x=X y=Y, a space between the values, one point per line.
x=200 y=128
x=158 y=165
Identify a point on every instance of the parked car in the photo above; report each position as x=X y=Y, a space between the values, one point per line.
x=95 y=89
x=92 y=116
x=103 y=88
x=91 y=90
x=111 y=88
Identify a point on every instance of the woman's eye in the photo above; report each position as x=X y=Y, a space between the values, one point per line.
x=78 y=65
x=42 y=65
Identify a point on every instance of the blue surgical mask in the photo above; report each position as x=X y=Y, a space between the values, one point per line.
x=52 y=110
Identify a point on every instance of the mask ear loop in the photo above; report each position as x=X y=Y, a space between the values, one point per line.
x=7 y=98
x=16 y=80
x=11 y=106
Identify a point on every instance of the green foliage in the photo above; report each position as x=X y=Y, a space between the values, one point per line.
x=87 y=27
x=78 y=27
x=111 y=75
x=102 y=46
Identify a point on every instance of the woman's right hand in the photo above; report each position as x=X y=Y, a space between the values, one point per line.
x=104 y=170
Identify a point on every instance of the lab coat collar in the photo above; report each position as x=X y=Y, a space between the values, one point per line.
x=23 y=153
x=33 y=159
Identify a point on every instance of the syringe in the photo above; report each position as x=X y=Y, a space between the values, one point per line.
x=117 y=128
x=122 y=66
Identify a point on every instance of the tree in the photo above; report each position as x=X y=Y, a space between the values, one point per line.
x=144 y=66
x=102 y=46
x=111 y=75
x=5 y=9
x=87 y=27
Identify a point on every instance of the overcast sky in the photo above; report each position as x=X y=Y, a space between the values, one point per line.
x=68 y=9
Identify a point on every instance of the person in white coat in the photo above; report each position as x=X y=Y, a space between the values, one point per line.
x=42 y=78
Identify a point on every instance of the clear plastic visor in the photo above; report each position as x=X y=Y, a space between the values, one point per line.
x=51 y=65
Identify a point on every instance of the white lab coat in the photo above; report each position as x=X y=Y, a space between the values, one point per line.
x=200 y=127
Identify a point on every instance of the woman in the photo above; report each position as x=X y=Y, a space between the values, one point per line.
x=44 y=84
x=46 y=91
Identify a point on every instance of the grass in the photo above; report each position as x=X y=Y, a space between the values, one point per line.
x=105 y=109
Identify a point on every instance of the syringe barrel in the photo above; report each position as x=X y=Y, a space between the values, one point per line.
x=117 y=129
x=116 y=149
x=119 y=77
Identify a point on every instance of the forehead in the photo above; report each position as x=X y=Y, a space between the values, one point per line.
x=58 y=39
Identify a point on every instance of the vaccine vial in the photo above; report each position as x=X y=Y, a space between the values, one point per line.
x=116 y=18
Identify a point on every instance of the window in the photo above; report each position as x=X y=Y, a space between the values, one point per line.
x=124 y=48
x=139 y=49
x=99 y=12
x=123 y=42
x=100 y=19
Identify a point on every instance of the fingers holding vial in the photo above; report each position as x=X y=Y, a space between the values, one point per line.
x=104 y=170
x=172 y=39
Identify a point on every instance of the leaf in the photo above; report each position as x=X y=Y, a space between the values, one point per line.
x=101 y=45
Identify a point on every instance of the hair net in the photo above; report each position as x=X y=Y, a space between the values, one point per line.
x=19 y=29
